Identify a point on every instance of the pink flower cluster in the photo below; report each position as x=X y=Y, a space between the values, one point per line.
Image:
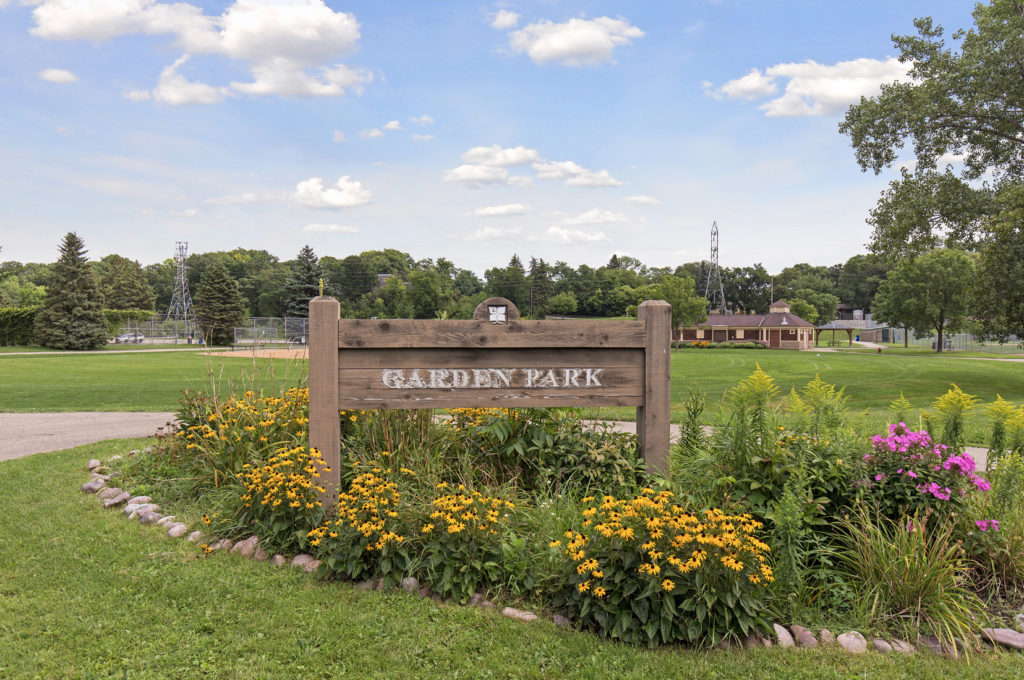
x=986 y=524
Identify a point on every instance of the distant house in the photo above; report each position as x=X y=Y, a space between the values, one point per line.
x=778 y=329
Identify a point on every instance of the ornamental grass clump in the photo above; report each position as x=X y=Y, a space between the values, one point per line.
x=462 y=541
x=643 y=570
x=365 y=538
x=281 y=497
x=907 y=473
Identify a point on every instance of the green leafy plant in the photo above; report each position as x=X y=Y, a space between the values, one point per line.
x=953 y=407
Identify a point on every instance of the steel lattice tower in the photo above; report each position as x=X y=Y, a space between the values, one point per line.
x=181 y=301
x=714 y=293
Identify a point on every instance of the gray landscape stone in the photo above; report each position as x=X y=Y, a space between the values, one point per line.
x=278 y=560
x=476 y=599
x=932 y=644
x=139 y=500
x=110 y=492
x=222 y=544
x=881 y=645
x=195 y=536
x=804 y=637
x=425 y=591
x=93 y=486
x=518 y=614
x=247 y=547
x=1018 y=620
x=259 y=554
x=561 y=621
x=301 y=560
x=93 y=464
x=724 y=645
x=311 y=566
x=149 y=517
x=164 y=521
x=139 y=509
x=410 y=584
x=101 y=470
x=902 y=647
x=114 y=459
x=853 y=642
x=116 y=500
x=365 y=585
x=783 y=636
x=177 y=530
x=826 y=637
x=1005 y=637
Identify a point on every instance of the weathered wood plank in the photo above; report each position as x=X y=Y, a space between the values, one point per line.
x=324 y=427
x=652 y=418
x=428 y=333
x=483 y=358
x=486 y=398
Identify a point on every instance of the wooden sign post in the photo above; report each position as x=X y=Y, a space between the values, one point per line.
x=494 y=360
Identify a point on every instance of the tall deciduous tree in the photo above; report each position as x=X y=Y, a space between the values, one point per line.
x=219 y=305
x=72 y=314
x=965 y=104
x=303 y=283
x=688 y=308
x=931 y=293
x=999 y=301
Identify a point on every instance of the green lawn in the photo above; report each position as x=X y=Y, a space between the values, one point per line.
x=147 y=381
x=85 y=593
x=153 y=381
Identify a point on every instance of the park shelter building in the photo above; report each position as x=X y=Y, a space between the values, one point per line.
x=778 y=329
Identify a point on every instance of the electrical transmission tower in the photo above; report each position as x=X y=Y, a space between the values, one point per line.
x=181 y=310
x=714 y=293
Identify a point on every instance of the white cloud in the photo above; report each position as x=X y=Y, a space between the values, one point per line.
x=754 y=85
x=505 y=19
x=505 y=210
x=338 y=136
x=496 y=155
x=346 y=193
x=574 y=174
x=564 y=236
x=392 y=125
x=474 y=175
x=331 y=228
x=814 y=89
x=595 y=216
x=58 y=75
x=420 y=138
x=495 y=233
x=640 y=199
x=279 y=39
x=138 y=95
x=421 y=120
x=371 y=134
x=577 y=42
x=175 y=89
x=239 y=199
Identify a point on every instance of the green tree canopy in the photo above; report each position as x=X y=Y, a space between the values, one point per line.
x=124 y=284
x=72 y=314
x=931 y=293
x=303 y=283
x=219 y=305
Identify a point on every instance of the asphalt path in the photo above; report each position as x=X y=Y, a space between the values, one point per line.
x=24 y=434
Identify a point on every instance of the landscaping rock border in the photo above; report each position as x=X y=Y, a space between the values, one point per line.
x=145 y=511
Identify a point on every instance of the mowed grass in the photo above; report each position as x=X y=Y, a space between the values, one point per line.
x=133 y=381
x=86 y=593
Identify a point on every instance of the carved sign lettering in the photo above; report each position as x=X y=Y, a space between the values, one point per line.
x=489 y=378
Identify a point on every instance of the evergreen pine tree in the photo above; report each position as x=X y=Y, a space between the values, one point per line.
x=124 y=284
x=303 y=283
x=219 y=305
x=72 y=315
x=542 y=288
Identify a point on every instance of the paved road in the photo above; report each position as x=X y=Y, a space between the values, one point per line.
x=23 y=434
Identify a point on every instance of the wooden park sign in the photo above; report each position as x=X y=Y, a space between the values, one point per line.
x=493 y=360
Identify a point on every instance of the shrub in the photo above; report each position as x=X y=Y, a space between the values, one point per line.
x=1000 y=412
x=953 y=407
x=907 y=473
x=281 y=498
x=993 y=527
x=364 y=540
x=17 y=325
x=644 y=570
x=911 y=575
x=462 y=547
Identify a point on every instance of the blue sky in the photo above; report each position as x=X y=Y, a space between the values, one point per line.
x=467 y=130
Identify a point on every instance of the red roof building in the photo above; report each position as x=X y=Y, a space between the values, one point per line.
x=778 y=329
